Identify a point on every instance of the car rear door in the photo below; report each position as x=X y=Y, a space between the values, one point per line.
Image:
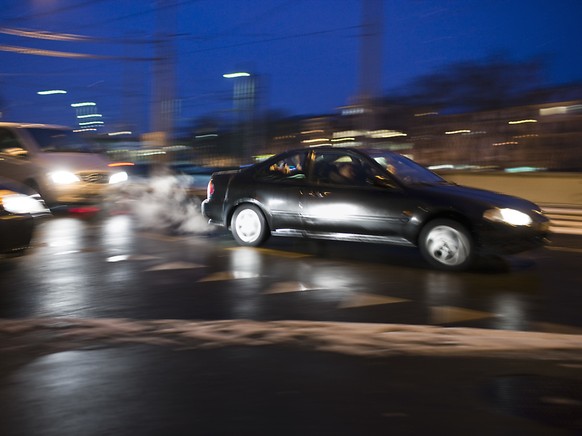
x=278 y=187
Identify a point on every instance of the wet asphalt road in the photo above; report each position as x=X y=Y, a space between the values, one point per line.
x=95 y=268
x=147 y=390
x=120 y=376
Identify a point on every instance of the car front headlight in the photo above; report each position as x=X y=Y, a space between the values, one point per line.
x=17 y=203
x=508 y=216
x=63 y=177
x=118 y=177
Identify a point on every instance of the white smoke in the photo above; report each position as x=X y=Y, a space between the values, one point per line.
x=162 y=202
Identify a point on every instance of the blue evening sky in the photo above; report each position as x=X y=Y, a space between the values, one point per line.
x=306 y=51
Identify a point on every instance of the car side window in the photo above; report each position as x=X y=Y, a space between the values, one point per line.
x=339 y=168
x=290 y=167
x=10 y=145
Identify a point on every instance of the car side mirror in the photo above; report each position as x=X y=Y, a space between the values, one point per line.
x=384 y=182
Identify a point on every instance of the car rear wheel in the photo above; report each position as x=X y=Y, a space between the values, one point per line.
x=249 y=226
x=446 y=245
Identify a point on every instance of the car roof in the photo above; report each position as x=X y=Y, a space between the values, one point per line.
x=358 y=150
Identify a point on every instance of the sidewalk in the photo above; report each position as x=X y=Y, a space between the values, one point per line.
x=122 y=377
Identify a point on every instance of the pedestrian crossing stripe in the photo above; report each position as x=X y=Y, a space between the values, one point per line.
x=557 y=328
x=125 y=257
x=175 y=265
x=451 y=314
x=564 y=249
x=229 y=275
x=288 y=287
x=272 y=252
x=363 y=300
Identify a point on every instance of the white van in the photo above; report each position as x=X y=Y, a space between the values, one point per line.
x=56 y=162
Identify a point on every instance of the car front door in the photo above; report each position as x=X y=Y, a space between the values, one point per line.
x=352 y=201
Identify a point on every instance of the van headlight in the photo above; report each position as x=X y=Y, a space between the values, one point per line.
x=508 y=216
x=118 y=177
x=63 y=177
x=17 y=203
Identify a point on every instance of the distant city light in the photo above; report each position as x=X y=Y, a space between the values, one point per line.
x=343 y=139
x=124 y=132
x=353 y=111
x=88 y=103
x=497 y=144
x=90 y=123
x=522 y=121
x=348 y=133
x=522 y=169
x=235 y=75
x=556 y=110
x=52 y=91
x=309 y=141
x=386 y=134
x=455 y=132
x=90 y=116
x=426 y=114
x=307 y=132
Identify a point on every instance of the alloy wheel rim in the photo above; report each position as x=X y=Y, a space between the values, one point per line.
x=248 y=225
x=447 y=245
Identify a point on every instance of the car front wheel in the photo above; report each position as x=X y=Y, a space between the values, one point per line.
x=446 y=245
x=248 y=226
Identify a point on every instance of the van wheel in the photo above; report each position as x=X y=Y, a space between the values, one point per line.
x=447 y=245
x=249 y=226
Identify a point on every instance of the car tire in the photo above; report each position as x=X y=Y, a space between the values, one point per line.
x=249 y=226
x=447 y=245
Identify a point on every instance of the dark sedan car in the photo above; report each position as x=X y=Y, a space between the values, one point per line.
x=19 y=207
x=371 y=196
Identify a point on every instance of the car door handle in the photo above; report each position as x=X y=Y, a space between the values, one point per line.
x=316 y=194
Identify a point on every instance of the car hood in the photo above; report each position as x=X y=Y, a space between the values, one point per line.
x=73 y=161
x=476 y=196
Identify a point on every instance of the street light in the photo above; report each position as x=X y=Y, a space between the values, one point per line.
x=235 y=75
x=55 y=104
x=244 y=101
x=52 y=92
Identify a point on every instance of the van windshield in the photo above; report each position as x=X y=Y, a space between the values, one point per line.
x=61 y=140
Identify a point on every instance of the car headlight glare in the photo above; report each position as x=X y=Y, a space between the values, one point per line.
x=508 y=216
x=64 y=177
x=118 y=177
x=17 y=203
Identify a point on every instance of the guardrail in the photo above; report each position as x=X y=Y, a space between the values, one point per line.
x=563 y=189
x=558 y=194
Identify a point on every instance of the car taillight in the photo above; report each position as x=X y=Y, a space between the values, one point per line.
x=210 y=189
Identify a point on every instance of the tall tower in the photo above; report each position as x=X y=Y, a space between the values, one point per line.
x=370 y=84
x=370 y=78
x=164 y=104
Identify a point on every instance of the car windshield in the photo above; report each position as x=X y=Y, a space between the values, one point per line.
x=61 y=140
x=404 y=169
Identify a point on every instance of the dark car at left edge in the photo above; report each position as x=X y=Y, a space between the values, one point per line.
x=371 y=196
x=20 y=207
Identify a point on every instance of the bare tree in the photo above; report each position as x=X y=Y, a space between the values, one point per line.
x=492 y=83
